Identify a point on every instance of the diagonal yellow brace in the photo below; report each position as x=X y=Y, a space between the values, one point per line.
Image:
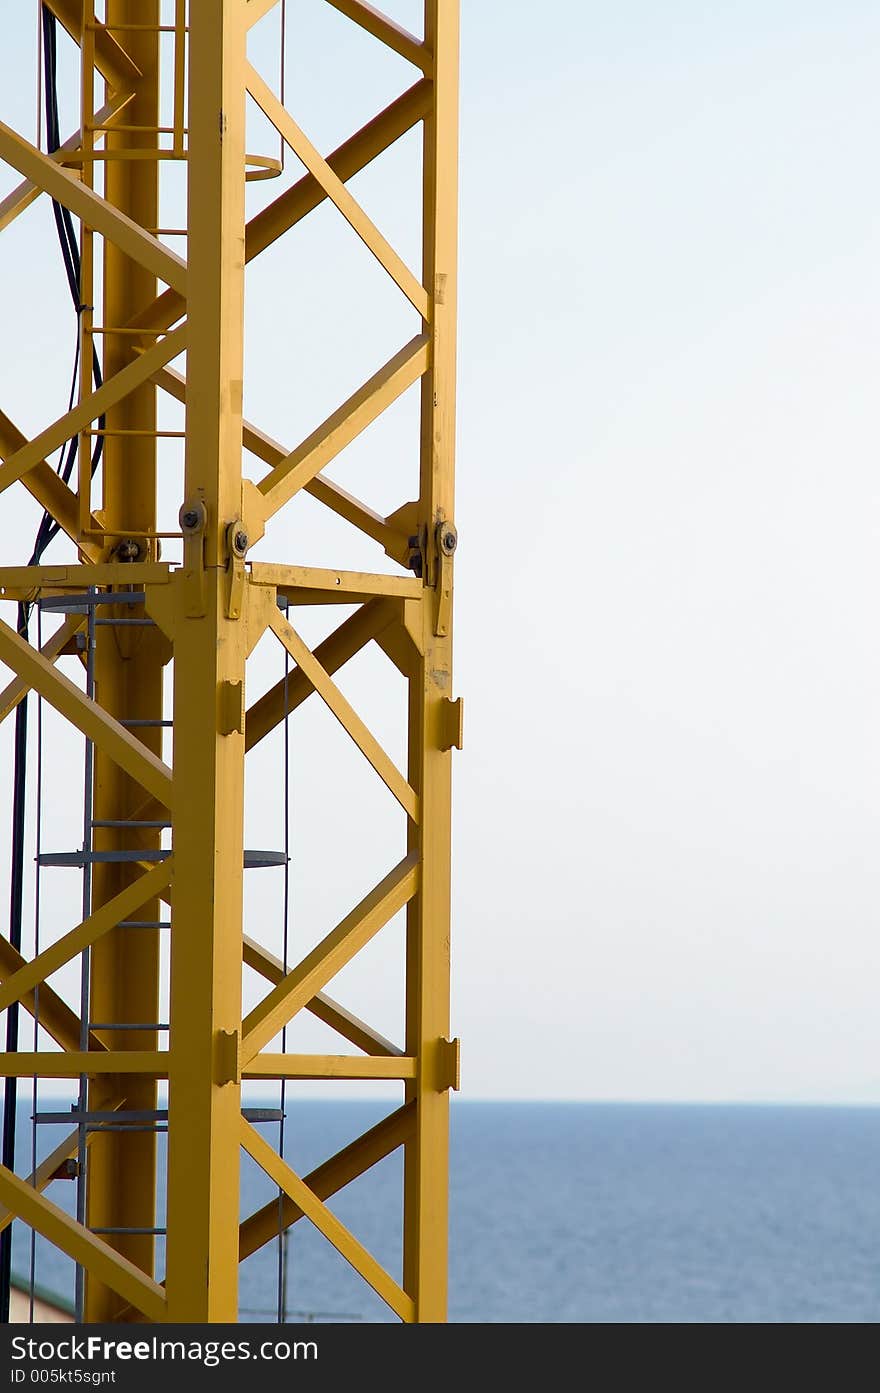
x=337 y=192
x=111 y=59
x=94 y=210
x=122 y=747
x=367 y=623
x=327 y=1179
x=327 y=1223
x=389 y=33
x=45 y=1172
x=91 y=407
x=298 y=469
x=88 y=932
x=329 y=956
x=47 y=488
x=343 y=1021
x=346 y=715
x=56 y=1017
x=344 y=504
x=86 y=1248
x=290 y=207
x=51 y=649
x=26 y=192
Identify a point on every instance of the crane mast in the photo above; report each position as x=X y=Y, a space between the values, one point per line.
x=163 y=858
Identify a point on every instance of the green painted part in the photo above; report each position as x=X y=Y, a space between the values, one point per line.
x=41 y=1293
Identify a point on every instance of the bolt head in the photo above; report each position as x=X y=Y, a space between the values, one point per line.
x=189 y=519
x=240 y=542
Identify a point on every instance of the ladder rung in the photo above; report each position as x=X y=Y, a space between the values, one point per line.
x=136 y=623
x=136 y=724
x=117 y=1229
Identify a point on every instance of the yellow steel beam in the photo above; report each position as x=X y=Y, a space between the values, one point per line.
x=43 y=1175
x=326 y=1222
x=290 y=692
x=70 y=1064
x=324 y=490
x=303 y=197
x=298 y=469
x=122 y=906
x=111 y=59
x=26 y=192
x=328 y=1178
x=84 y=203
x=47 y=488
x=346 y=715
x=210 y=650
x=17 y=690
x=84 y=1247
x=124 y=966
x=329 y=1066
x=391 y=34
x=328 y=957
x=344 y=1022
x=349 y=587
x=56 y=1017
x=121 y=746
x=337 y=192
x=91 y=407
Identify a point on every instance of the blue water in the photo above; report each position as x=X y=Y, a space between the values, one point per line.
x=585 y=1213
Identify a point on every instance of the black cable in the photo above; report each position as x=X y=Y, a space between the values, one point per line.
x=47 y=530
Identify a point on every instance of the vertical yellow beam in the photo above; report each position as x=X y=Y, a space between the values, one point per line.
x=121 y=1170
x=210 y=649
x=428 y=962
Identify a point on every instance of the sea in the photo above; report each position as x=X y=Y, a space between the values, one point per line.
x=580 y=1212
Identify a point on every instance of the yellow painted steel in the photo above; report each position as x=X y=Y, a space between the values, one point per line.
x=145 y=306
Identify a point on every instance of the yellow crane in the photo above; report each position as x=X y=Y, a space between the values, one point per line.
x=149 y=293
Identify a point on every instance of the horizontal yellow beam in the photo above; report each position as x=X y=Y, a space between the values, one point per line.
x=328 y=957
x=338 y=193
x=116 y=742
x=122 y=906
x=364 y=406
x=77 y=579
x=86 y=1248
x=94 y=210
x=346 y=715
x=389 y=33
x=329 y=1178
x=69 y=1064
x=350 y=587
x=327 y=1223
x=112 y=390
x=329 y=1066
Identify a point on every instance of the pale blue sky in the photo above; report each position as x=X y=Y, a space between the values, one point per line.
x=668 y=809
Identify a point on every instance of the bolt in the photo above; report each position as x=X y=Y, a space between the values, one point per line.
x=128 y=550
x=190 y=518
x=240 y=542
x=449 y=541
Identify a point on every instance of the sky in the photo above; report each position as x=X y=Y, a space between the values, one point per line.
x=667 y=812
